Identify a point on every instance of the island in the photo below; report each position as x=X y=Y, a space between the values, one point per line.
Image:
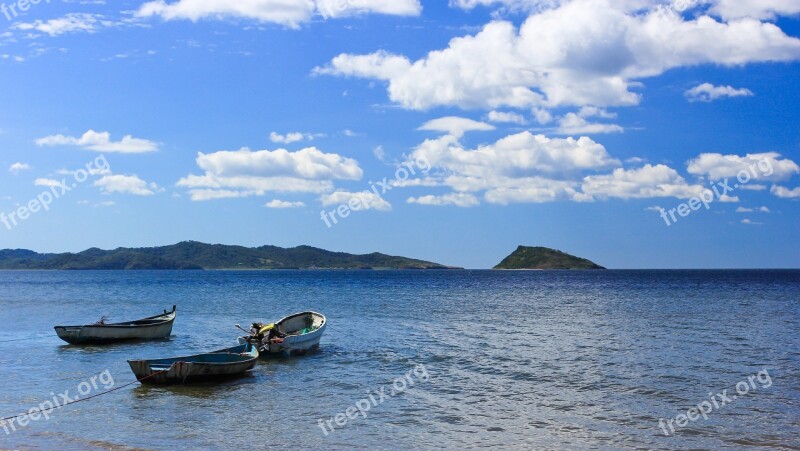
x=193 y=255
x=544 y=258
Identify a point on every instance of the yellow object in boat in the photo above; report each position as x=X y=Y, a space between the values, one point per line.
x=266 y=328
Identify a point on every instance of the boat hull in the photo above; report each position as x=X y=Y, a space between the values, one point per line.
x=296 y=345
x=154 y=328
x=222 y=364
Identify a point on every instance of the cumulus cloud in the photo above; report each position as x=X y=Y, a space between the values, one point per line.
x=786 y=193
x=518 y=168
x=506 y=117
x=247 y=173
x=515 y=155
x=18 y=167
x=291 y=137
x=577 y=123
x=760 y=166
x=456 y=199
x=276 y=203
x=583 y=52
x=289 y=13
x=528 y=168
x=455 y=126
x=346 y=8
x=706 y=92
x=100 y=142
x=725 y=9
x=126 y=184
x=757 y=9
x=646 y=182
x=366 y=200
x=535 y=190
x=49 y=183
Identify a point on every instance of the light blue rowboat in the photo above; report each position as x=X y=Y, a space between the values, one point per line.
x=196 y=368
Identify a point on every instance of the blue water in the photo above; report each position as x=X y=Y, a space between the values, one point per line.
x=541 y=359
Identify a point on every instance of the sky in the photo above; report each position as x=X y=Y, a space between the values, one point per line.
x=635 y=133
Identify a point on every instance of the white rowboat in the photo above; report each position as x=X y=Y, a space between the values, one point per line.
x=152 y=328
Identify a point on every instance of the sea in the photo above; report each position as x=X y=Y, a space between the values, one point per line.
x=418 y=359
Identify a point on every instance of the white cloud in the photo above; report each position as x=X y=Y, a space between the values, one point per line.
x=726 y=9
x=248 y=173
x=345 y=8
x=509 y=4
x=757 y=9
x=536 y=190
x=584 y=52
x=785 y=193
x=16 y=168
x=366 y=200
x=199 y=195
x=457 y=199
x=760 y=166
x=90 y=171
x=455 y=126
x=70 y=23
x=506 y=117
x=518 y=168
x=276 y=203
x=379 y=153
x=575 y=124
x=645 y=182
x=289 y=137
x=100 y=142
x=46 y=182
x=524 y=167
x=515 y=155
x=290 y=13
x=542 y=116
x=750 y=222
x=752 y=210
x=706 y=92
x=126 y=184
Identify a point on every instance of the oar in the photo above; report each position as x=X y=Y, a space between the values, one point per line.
x=242 y=329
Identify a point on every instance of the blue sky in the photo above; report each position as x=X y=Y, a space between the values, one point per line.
x=562 y=123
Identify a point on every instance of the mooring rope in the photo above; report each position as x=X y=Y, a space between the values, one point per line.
x=61 y=406
x=24 y=339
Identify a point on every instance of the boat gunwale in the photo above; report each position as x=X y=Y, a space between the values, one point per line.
x=312 y=313
x=248 y=356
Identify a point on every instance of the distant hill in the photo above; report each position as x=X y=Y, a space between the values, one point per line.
x=195 y=255
x=544 y=258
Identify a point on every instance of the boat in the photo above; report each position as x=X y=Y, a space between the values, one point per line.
x=221 y=364
x=152 y=328
x=294 y=335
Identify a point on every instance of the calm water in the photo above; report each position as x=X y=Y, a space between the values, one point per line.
x=514 y=359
